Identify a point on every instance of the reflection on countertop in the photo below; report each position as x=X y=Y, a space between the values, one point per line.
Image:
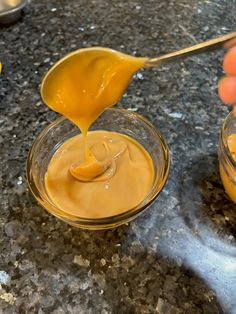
x=180 y=255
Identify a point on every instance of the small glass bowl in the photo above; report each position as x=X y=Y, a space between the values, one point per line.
x=226 y=161
x=116 y=120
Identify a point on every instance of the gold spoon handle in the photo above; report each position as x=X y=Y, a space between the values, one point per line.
x=205 y=46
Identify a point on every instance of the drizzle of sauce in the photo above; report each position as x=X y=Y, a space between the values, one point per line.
x=95 y=174
x=81 y=86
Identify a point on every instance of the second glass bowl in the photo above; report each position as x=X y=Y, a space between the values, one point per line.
x=227 y=163
x=116 y=120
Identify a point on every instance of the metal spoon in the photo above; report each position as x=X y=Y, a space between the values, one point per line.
x=205 y=46
x=92 y=167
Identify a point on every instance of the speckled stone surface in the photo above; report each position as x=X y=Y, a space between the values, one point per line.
x=180 y=255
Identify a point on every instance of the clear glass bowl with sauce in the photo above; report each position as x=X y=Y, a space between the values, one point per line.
x=113 y=119
x=226 y=161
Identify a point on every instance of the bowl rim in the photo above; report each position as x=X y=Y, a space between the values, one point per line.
x=229 y=157
x=109 y=220
x=18 y=7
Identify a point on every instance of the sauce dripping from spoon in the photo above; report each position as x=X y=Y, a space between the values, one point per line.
x=80 y=87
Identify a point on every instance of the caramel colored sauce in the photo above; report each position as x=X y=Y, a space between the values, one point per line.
x=228 y=175
x=124 y=184
x=96 y=174
x=83 y=85
x=231 y=141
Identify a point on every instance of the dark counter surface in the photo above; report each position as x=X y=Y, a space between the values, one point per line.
x=180 y=255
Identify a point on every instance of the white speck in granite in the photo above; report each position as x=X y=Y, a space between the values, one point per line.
x=177 y=115
x=103 y=261
x=19 y=182
x=209 y=295
x=138 y=7
x=4 y=277
x=210 y=145
x=46 y=60
x=225 y=28
x=206 y=28
x=79 y=260
x=139 y=76
x=132 y=109
x=53 y=9
x=92 y=27
x=8 y=298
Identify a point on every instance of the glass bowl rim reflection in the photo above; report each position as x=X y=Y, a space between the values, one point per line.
x=223 y=137
x=125 y=216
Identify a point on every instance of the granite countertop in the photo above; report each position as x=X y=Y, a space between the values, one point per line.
x=180 y=255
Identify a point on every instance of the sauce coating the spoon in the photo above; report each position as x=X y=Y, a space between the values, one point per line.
x=96 y=174
x=86 y=82
x=82 y=85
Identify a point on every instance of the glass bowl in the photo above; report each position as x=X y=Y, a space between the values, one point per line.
x=226 y=161
x=116 y=120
